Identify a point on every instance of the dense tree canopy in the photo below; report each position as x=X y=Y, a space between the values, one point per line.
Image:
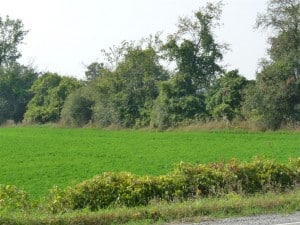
x=15 y=79
x=49 y=94
x=225 y=97
x=130 y=90
x=277 y=89
x=15 y=83
x=176 y=104
x=197 y=55
x=134 y=86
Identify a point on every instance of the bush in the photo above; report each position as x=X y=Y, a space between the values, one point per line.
x=77 y=110
x=186 y=181
x=264 y=175
x=109 y=189
x=12 y=198
x=206 y=179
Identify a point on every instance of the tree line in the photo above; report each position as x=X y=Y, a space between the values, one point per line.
x=159 y=83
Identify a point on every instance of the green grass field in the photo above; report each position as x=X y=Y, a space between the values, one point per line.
x=36 y=158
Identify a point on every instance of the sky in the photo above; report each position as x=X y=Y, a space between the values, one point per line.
x=67 y=35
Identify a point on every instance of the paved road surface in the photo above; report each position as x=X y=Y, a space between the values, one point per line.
x=293 y=219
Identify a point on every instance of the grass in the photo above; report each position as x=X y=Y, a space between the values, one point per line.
x=36 y=158
x=231 y=205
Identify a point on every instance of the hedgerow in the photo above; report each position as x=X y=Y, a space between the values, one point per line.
x=185 y=182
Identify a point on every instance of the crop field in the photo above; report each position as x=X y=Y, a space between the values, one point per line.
x=36 y=158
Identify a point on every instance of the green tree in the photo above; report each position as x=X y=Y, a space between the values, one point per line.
x=50 y=92
x=15 y=83
x=275 y=98
x=283 y=18
x=128 y=94
x=176 y=103
x=277 y=89
x=95 y=70
x=196 y=54
x=224 y=98
x=78 y=107
x=108 y=101
x=12 y=34
x=15 y=79
x=194 y=48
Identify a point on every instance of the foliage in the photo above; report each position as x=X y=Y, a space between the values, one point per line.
x=4 y=111
x=132 y=88
x=278 y=82
x=15 y=82
x=107 y=101
x=50 y=92
x=12 y=34
x=126 y=96
x=12 y=198
x=283 y=17
x=194 y=48
x=266 y=175
x=15 y=79
x=77 y=109
x=230 y=205
x=275 y=97
x=95 y=70
x=113 y=188
x=225 y=96
x=186 y=181
x=176 y=103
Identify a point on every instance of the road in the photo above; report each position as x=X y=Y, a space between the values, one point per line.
x=293 y=219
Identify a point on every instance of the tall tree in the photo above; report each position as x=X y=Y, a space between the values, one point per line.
x=12 y=34
x=128 y=94
x=283 y=18
x=278 y=84
x=194 y=49
x=15 y=83
x=197 y=55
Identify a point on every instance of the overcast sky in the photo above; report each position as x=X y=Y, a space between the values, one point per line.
x=65 y=35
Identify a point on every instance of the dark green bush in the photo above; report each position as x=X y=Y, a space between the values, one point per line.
x=186 y=181
x=77 y=109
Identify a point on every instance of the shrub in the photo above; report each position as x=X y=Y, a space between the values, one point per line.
x=264 y=175
x=186 y=181
x=12 y=198
x=206 y=179
x=77 y=110
x=109 y=189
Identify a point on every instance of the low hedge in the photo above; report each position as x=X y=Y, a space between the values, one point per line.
x=12 y=198
x=185 y=182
